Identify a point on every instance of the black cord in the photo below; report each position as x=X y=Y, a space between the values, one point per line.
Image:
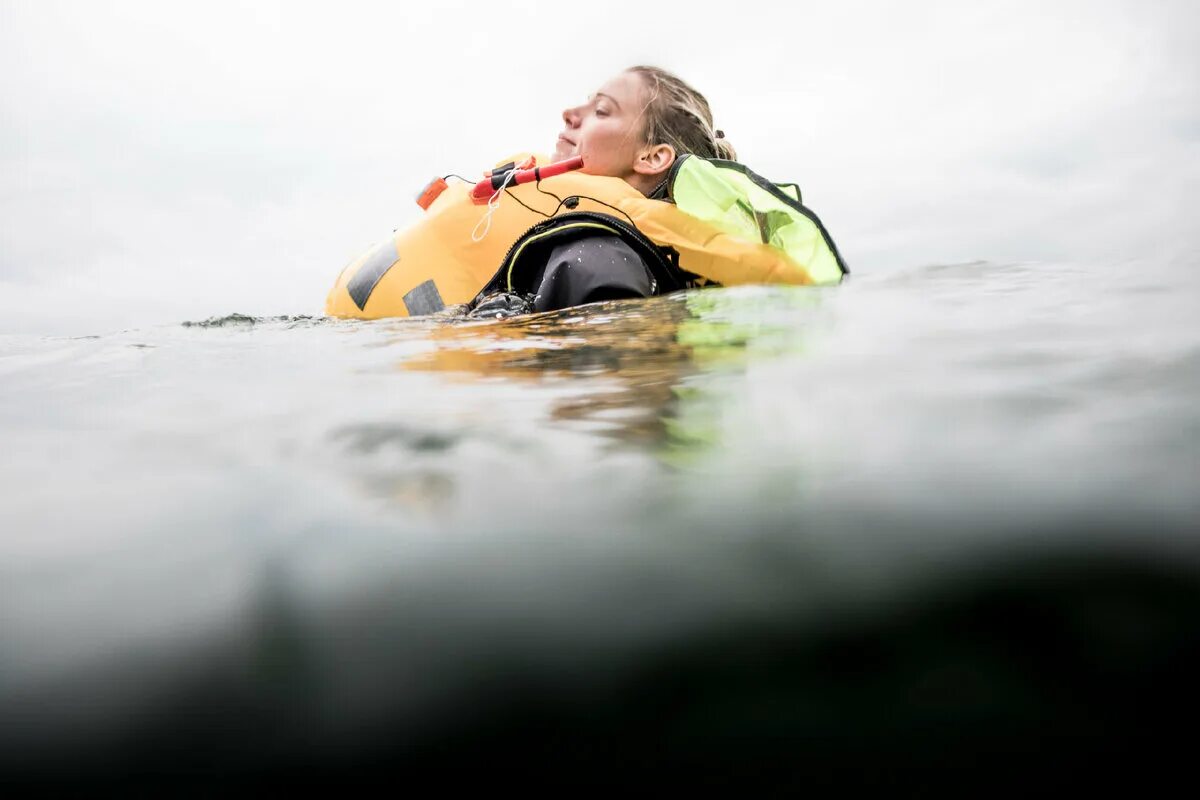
x=531 y=208
x=538 y=185
x=577 y=198
x=571 y=201
x=609 y=205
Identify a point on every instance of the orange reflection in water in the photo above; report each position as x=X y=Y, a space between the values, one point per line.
x=626 y=357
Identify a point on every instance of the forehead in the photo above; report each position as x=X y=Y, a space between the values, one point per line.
x=626 y=88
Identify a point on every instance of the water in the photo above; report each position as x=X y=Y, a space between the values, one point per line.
x=890 y=517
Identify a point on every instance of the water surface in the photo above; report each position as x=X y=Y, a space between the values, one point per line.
x=306 y=541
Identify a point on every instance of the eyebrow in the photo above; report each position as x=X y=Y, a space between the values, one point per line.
x=611 y=99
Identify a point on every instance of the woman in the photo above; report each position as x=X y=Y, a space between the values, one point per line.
x=636 y=125
x=660 y=205
x=633 y=127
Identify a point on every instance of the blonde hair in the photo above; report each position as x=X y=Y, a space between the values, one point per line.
x=678 y=115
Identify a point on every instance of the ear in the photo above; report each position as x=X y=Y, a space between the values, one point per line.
x=655 y=159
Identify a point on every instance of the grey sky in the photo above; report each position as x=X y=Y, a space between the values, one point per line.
x=168 y=161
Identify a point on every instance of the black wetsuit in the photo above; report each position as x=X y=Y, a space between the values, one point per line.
x=591 y=269
x=559 y=266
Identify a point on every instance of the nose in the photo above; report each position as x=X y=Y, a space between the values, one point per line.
x=571 y=117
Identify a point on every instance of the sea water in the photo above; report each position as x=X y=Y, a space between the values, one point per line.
x=931 y=498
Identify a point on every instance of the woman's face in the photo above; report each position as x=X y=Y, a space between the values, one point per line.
x=606 y=129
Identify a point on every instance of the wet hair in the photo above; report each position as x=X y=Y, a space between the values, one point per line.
x=678 y=115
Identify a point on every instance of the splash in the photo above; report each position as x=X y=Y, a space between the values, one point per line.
x=235 y=319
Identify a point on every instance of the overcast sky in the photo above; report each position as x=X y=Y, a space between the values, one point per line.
x=162 y=161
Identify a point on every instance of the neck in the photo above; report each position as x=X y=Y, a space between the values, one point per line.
x=645 y=183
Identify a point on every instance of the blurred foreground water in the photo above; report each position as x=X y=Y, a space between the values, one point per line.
x=934 y=523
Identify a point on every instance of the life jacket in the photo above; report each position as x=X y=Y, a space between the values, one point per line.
x=710 y=221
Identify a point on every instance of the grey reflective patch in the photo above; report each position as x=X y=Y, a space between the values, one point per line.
x=424 y=299
x=374 y=268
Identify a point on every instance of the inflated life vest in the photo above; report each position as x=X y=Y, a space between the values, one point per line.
x=718 y=220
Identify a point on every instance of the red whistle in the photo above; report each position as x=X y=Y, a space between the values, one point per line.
x=490 y=185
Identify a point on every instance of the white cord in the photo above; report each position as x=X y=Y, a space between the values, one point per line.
x=492 y=204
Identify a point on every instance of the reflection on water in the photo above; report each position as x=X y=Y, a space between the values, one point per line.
x=626 y=362
x=629 y=363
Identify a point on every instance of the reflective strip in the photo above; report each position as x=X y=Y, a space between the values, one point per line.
x=424 y=299
x=374 y=268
